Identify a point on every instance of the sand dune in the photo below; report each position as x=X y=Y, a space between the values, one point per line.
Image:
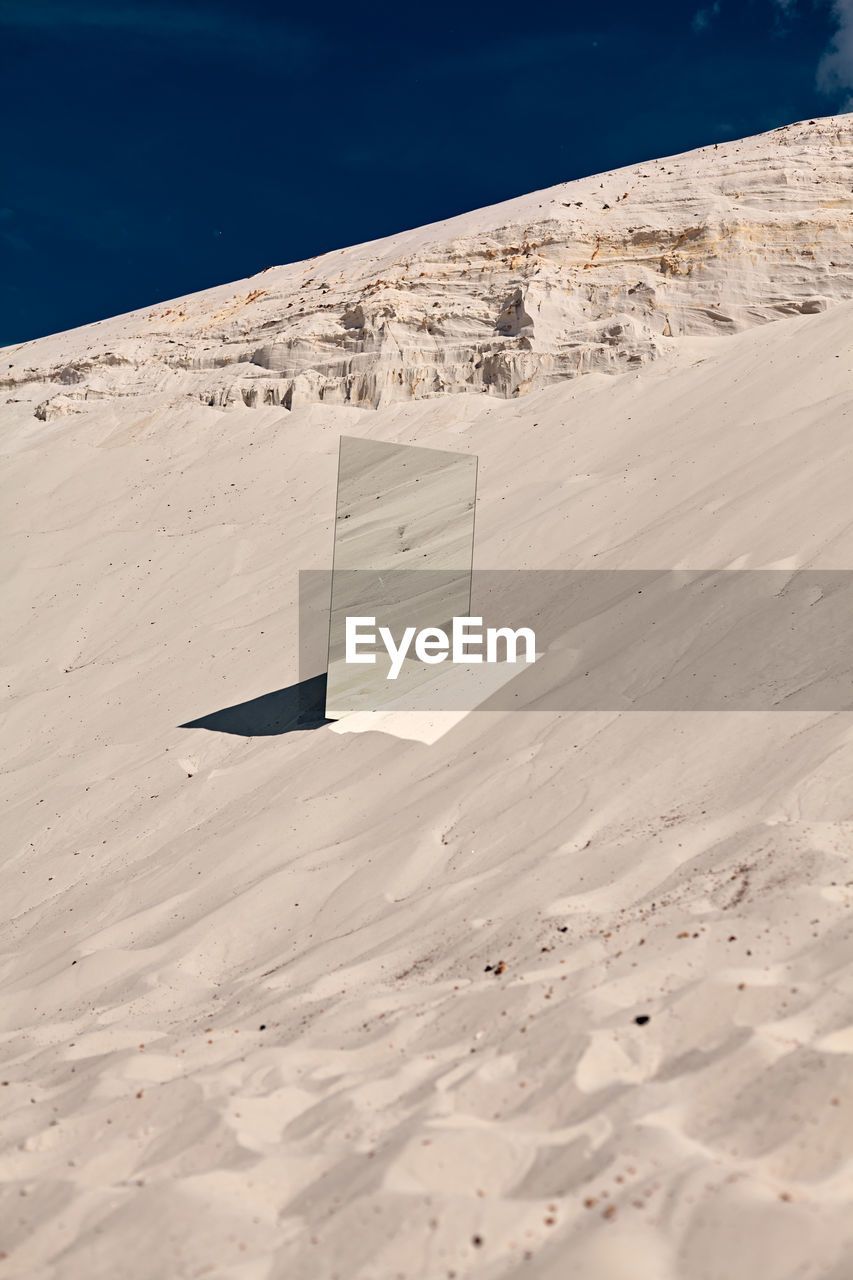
x=318 y=1004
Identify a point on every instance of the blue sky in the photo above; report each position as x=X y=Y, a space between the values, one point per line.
x=151 y=148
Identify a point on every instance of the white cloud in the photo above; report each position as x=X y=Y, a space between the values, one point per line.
x=835 y=70
x=702 y=18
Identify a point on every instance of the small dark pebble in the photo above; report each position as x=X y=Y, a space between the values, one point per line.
x=562 y=928
x=476 y=1241
x=262 y=1027
x=641 y=1019
x=489 y=968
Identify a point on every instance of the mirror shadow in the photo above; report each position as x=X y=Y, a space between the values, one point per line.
x=298 y=708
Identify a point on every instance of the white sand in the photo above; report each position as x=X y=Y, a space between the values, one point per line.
x=405 y=1111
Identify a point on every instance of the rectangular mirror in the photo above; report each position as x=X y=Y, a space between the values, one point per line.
x=403 y=554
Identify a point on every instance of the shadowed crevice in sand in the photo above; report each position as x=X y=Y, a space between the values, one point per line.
x=297 y=708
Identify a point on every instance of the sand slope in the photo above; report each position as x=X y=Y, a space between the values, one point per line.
x=323 y=1004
